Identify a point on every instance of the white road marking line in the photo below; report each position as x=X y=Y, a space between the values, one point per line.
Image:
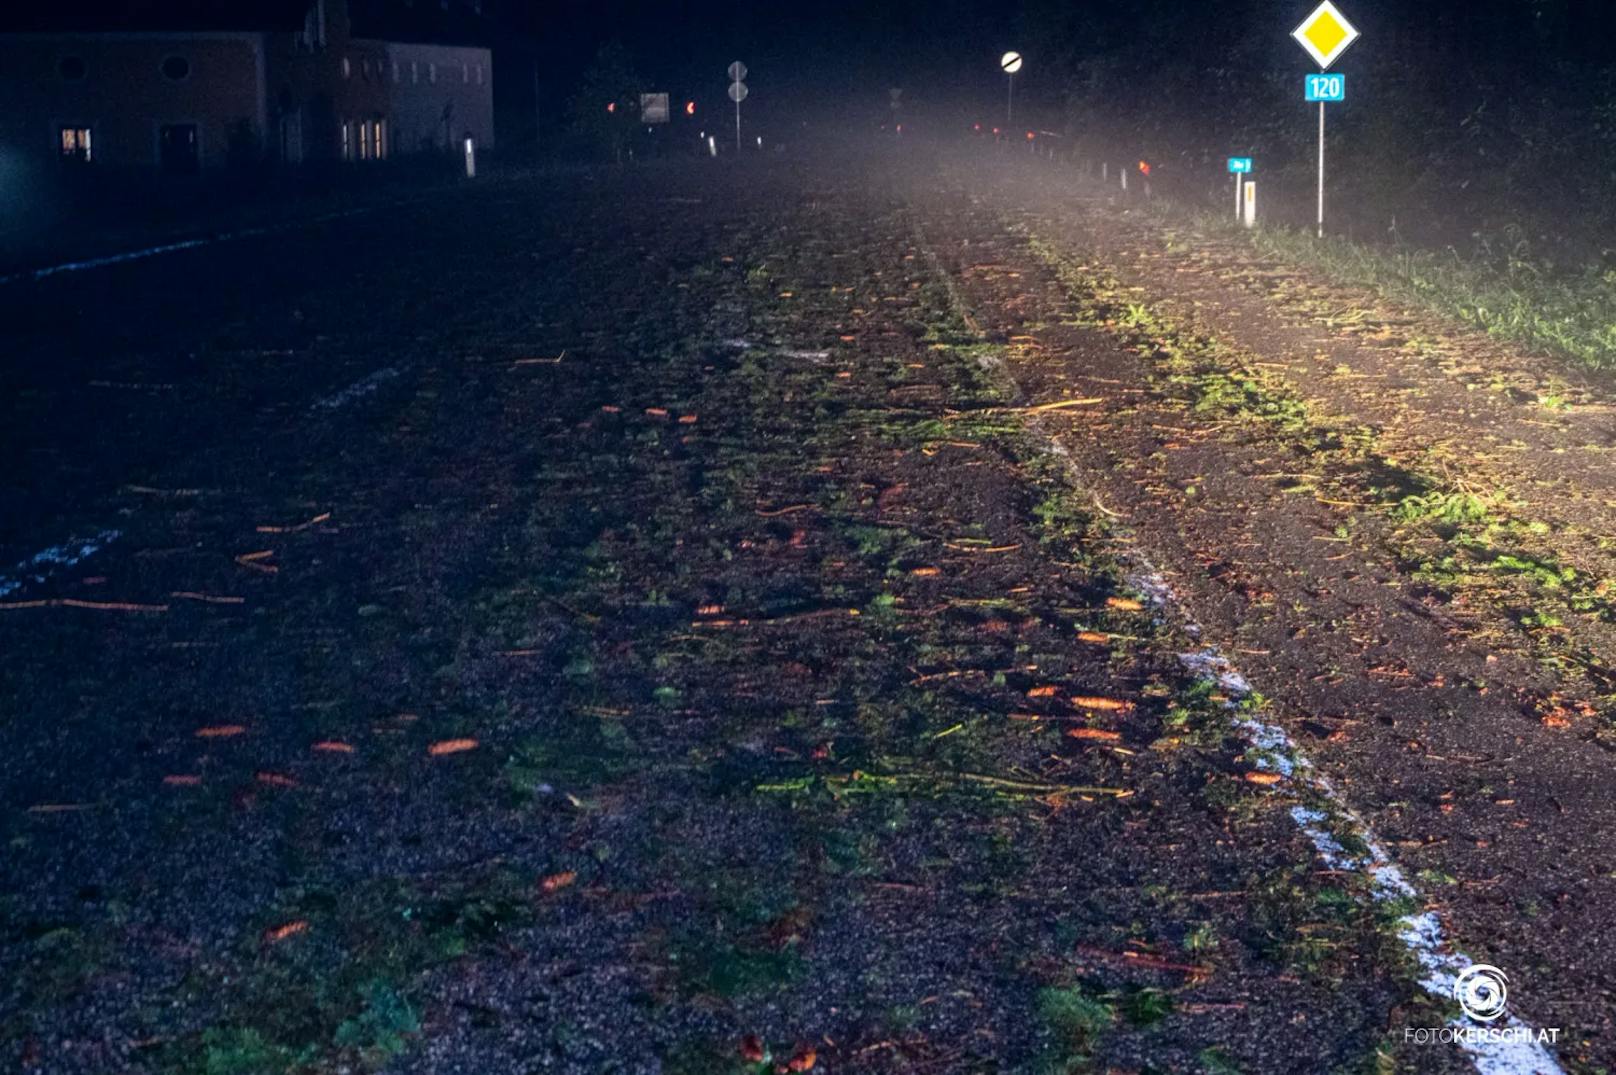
x=191 y=244
x=1420 y=932
x=359 y=389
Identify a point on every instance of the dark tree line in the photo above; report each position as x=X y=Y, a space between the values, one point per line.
x=1477 y=122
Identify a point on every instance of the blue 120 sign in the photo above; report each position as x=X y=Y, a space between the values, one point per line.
x=1326 y=88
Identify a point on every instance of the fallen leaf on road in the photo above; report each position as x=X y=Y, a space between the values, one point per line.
x=1263 y=779
x=451 y=746
x=332 y=746
x=1103 y=705
x=280 y=933
x=1099 y=734
x=220 y=731
x=557 y=881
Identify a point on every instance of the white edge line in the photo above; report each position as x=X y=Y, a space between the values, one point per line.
x=1420 y=933
x=1273 y=750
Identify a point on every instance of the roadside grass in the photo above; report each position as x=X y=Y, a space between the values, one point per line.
x=1570 y=313
x=1450 y=537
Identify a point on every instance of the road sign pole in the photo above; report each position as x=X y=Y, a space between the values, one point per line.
x=1321 y=169
x=1239 y=193
x=1010 y=104
x=737 y=127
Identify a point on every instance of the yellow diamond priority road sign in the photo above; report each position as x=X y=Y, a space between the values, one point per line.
x=1325 y=34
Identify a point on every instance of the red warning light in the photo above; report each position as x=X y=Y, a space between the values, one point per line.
x=611 y=106
x=900 y=128
x=1031 y=136
x=976 y=126
x=690 y=108
x=996 y=130
x=1144 y=168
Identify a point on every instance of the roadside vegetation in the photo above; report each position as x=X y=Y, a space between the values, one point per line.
x=1563 y=311
x=1451 y=538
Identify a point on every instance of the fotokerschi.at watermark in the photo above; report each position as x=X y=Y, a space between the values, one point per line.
x=1482 y=991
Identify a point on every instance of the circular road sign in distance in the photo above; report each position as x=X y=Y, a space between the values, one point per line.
x=1010 y=62
x=737 y=92
x=737 y=71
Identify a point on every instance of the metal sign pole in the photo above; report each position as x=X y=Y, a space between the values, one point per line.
x=1239 y=193
x=1321 y=169
x=1010 y=105
x=737 y=126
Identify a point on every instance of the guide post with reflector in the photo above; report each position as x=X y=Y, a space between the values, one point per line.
x=1239 y=167
x=1325 y=35
x=1249 y=205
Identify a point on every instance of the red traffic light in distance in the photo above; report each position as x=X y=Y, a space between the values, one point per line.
x=1144 y=168
x=690 y=108
x=1031 y=136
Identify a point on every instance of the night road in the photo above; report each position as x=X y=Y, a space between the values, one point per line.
x=868 y=612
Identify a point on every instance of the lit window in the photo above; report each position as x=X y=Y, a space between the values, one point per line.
x=364 y=140
x=75 y=143
x=347 y=141
x=378 y=138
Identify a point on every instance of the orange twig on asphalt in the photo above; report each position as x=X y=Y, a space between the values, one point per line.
x=73 y=602
x=316 y=521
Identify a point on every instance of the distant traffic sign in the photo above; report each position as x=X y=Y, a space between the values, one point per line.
x=1239 y=165
x=653 y=108
x=737 y=71
x=1010 y=62
x=1326 y=88
x=1325 y=34
x=737 y=92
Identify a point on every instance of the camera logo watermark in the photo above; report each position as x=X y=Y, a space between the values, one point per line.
x=1482 y=991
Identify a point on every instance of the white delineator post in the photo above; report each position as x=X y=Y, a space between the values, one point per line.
x=471 y=159
x=1251 y=204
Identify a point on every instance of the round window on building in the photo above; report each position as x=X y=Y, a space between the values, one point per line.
x=72 y=68
x=176 y=68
